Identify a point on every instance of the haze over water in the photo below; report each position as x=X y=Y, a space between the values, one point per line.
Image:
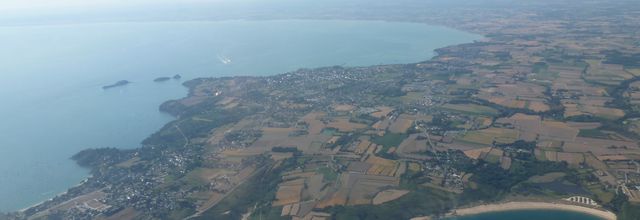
x=53 y=105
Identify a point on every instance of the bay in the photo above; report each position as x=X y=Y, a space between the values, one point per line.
x=51 y=79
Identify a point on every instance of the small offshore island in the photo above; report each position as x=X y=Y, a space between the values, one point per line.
x=117 y=84
x=544 y=107
x=166 y=78
x=162 y=79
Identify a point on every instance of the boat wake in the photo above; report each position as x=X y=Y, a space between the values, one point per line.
x=224 y=59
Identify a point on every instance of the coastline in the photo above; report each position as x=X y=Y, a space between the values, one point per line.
x=57 y=195
x=513 y=206
x=186 y=82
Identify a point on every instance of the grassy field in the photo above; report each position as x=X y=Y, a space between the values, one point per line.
x=487 y=136
x=546 y=178
x=472 y=109
x=593 y=133
x=411 y=97
x=387 y=141
x=629 y=212
x=328 y=175
x=545 y=75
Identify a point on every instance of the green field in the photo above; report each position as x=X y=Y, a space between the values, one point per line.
x=387 y=141
x=487 y=136
x=328 y=174
x=593 y=133
x=471 y=109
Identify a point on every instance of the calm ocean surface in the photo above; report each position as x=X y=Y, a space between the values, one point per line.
x=51 y=77
x=529 y=215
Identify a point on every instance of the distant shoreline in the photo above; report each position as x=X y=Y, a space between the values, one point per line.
x=57 y=195
x=514 y=206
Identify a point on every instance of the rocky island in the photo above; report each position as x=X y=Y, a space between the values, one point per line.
x=162 y=79
x=166 y=78
x=117 y=84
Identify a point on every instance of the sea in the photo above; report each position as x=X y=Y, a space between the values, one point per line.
x=51 y=79
x=529 y=215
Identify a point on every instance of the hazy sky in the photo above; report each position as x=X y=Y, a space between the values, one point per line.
x=31 y=5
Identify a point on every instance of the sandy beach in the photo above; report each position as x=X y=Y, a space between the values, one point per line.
x=511 y=206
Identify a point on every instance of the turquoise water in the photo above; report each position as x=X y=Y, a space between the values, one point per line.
x=51 y=77
x=529 y=215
